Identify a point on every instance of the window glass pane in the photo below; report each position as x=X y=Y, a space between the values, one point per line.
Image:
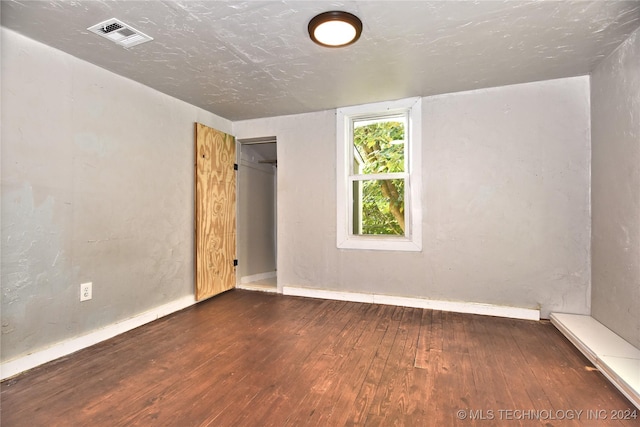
x=379 y=174
x=378 y=207
x=379 y=145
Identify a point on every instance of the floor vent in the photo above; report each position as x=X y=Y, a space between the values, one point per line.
x=119 y=33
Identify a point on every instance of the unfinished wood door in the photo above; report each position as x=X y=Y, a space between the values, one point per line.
x=215 y=212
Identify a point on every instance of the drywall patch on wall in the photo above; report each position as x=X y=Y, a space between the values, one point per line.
x=97 y=186
x=36 y=259
x=615 y=101
x=90 y=143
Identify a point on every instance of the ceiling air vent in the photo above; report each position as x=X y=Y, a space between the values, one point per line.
x=120 y=33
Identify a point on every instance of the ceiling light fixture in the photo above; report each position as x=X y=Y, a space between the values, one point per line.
x=335 y=29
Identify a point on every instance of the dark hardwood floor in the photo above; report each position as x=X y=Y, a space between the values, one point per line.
x=256 y=359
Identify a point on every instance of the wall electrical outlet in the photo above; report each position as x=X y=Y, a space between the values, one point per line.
x=85 y=291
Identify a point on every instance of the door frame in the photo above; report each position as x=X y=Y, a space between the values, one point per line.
x=240 y=143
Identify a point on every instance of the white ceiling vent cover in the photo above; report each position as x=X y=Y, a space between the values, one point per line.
x=120 y=33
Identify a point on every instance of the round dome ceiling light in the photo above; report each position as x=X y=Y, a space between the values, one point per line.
x=335 y=29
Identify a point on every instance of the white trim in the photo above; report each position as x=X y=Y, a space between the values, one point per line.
x=258 y=288
x=344 y=237
x=452 y=306
x=24 y=363
x=260 y=276
x=326 y=294
x=461 y=307
x=615 y=358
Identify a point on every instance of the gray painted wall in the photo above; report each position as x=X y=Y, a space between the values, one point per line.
x=615 y=103
x=256 y=216
x=506 y=201
x=97 y=185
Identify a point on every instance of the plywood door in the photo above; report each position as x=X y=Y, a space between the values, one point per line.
x=215 y=212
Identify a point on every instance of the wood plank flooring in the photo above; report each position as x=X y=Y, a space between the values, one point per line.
x=256 y=359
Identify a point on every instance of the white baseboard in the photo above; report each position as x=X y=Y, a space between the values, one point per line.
x=325 y=294
x=13 y=367
x=617 y=359
x=256 y=277
x=259 y=288
x=453 y=306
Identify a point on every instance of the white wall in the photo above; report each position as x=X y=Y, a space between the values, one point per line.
x=306 y=198
x=97 y=186
x=615 y=101
x=505 y=200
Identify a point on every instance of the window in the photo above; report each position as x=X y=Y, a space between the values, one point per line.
x=379 y=176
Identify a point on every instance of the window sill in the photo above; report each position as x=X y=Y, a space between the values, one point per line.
x=381 y=244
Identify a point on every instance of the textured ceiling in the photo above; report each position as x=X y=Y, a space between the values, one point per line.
x=249 y=59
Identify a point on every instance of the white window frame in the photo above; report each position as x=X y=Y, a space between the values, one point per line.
x=412 y=240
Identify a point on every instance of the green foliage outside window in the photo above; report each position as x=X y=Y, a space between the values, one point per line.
x=380 y=149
